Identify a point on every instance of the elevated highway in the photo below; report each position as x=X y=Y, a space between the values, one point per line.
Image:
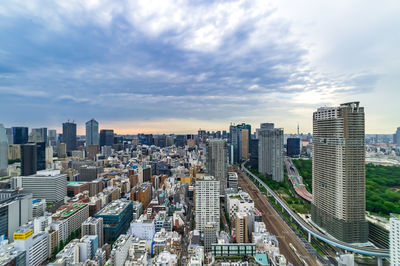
x=369 y=251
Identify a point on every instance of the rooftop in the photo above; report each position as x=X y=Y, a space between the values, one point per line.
x=114 y=208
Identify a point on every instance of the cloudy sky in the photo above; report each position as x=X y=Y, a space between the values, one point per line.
x=177 y=66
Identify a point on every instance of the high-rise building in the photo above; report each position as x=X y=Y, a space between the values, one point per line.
x=41 y=155
x=210 y=236
x=20 y=135
x=35 y=245
x=254 y=153
x=217 y=164
x=28 y=159
x=398 y=136
x=62 y=150
x=245 y=144
x=3 y=151
x=9 y=134
x=207 y=202
x=394 y=239
x=241 y=225
x=270 y=151
x=49 y=156
x=293 y=147
x=338 y=204
x=92 y=133
x=69 y=136
x=38 y=135
x=94 y=226
x=106 y=137
x=52 y=137
x=14 y=212
x=234 y=142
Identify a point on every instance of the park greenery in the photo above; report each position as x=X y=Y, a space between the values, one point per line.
x=285 y=191
x=382 y=186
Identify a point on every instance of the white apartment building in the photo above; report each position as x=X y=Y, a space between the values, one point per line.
x=207 y=202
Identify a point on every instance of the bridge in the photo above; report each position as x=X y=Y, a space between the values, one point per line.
x=369 y=251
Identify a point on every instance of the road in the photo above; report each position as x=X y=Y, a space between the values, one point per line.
x=297 y=180
x=276 y=225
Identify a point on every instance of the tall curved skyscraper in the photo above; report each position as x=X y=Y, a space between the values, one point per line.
x=3 y=151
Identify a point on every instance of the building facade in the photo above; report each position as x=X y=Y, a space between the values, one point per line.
x=3 y=151
x=92 y=133
x=207 y=202
x=217 y=164
x=270 y=152
x=69 y=136
x=28 y=159
x=338 y=169
x=394 y=239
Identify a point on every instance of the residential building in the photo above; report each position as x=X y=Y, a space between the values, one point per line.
x=35 y=245
x=94 y=226
x=241 y=227
x=207 y=202
x=74 y=214
x=338 y=204
x=120 y=250
x=232 y=180
x=217 y=165
x=210 y=236
x=394 y=239
x=62 y=150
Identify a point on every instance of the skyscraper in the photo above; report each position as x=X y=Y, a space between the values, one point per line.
x=270 y=151
x=41 y=155
x=38 y=135
x=106 y=137
x=20 y=135
x=245 y=144
x=217 y=164
x=69 y=136
x=338 y=165
x=207 y=202
x=28 y=159
x=240 y=141
x=241 y=224
x=293 y=147
x=398 y=136
x=394 y=239
x=3 y=151
x=52 y=137
x=92 y=133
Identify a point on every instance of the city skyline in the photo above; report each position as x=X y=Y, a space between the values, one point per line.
x=200 y=68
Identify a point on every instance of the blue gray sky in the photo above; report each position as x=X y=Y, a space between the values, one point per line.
x=177 y=66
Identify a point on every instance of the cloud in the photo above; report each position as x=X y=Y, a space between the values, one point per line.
x=212 y=60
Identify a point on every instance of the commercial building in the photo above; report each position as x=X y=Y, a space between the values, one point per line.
x=241 y=227
x=338 y=204
x=92 y=133
x=254 y=153
x=14 y=152
x=245 y=144
x=106 y=137
x=143 y=228
x=398 y=136
x=49 y=156
x=207 y=202
x=217 y=165
x=210 y=236
x=40 y=156
x=93 y=150
x=11 y=256
x=35 y=245
x=38 y=135
x=270 y=152
x=20 y=135
x=52 y=137
x=14 y=212
x=48 y=185
x=69 y=136
x=28 y=159
x=3 y=151
x=394 y=239
x=74 y=214
x=117 y=216
x=293 y=147
x=89 y=173
x=94 y=226
x=62 y=150
x=239 y=140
